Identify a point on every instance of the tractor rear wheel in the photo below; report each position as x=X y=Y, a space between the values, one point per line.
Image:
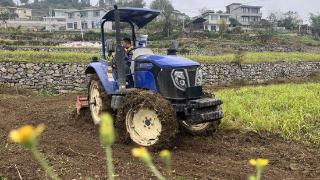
x=99 y=101
x=147 y=119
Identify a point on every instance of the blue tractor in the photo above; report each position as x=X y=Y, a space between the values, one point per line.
x=151 y=96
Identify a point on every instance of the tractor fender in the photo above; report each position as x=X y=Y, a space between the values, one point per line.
x=100 y=68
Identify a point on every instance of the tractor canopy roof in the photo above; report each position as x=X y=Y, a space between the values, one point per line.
x=137 y=16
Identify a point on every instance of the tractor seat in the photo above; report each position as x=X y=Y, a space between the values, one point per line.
x=139 y=52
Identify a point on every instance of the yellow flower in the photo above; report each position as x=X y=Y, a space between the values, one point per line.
x=26 y=135
x=107 y=130
x=141 y=153
x=165 y=154
x=259 y=162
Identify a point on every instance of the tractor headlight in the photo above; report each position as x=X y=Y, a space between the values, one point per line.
x=179 y=79
x=199 y=77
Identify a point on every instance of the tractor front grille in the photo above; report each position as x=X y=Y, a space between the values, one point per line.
x=169 y=90
x=192 y=76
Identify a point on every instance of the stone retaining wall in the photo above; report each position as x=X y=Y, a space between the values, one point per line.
x=70 y=77
x=259 y=73
x=44 y=76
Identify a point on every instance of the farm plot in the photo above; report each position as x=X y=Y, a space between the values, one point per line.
x=76 y=57
x=72 y=147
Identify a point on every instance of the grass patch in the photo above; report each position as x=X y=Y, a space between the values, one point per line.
x=292 y=110
x=43 y=56
x=256 y=57
x=73 y=57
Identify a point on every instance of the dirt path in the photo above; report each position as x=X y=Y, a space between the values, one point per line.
x=74 y=150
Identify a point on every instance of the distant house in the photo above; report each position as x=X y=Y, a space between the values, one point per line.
x=246 y=15
x=56 y=21
x=24 y=13
x=305 y=29
x=17 y=13
x=10 y=10
x=196 y=24
x=86 y=19
x=38 y=14
x=179 y=16
x=214 y=20
x=22 y=18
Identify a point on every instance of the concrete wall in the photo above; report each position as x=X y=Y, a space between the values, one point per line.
x=70 y=77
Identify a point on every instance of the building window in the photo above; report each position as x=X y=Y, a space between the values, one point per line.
x=84 y=14
x=70 y=25
x=93 y=24
x=245 y=19
x=75 y=25
x=224 y=18
x=245 y=10
x=84 y=25
x=96 y=13
x=70 y=15
x=214 y=17
x=255 y=10
x=255 y=19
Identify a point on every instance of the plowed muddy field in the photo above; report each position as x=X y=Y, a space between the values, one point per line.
x=72 y=147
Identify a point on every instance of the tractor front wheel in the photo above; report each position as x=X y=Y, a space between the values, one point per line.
x=147 y=119
x=201 y=129
x=99 y=102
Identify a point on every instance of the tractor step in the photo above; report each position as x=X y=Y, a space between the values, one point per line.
x=82 y=102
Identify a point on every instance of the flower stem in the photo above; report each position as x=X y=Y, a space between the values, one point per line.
x=155 y=171
x=259 y=172
x=110 y=167
x=168 y=166
x=39 y=157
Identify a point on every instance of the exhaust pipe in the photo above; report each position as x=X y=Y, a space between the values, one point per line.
x=172 y=51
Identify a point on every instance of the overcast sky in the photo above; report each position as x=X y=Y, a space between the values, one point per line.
x=304 y=7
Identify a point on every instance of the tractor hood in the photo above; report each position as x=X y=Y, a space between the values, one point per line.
x=168 y=61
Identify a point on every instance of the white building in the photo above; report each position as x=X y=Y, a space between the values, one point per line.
x=57 y=20
x=246 y=15
x=214 y=20
x=86 y=19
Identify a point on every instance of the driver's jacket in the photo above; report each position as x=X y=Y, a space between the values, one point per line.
x=129 y=52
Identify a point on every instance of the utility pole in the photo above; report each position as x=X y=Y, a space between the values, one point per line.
x=183 y=19
x=81 y=27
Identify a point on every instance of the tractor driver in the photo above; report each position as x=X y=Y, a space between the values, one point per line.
x=126 y=43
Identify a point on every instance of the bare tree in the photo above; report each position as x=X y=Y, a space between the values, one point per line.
x=167 y=18
x=131 y=3
x=315 y=24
